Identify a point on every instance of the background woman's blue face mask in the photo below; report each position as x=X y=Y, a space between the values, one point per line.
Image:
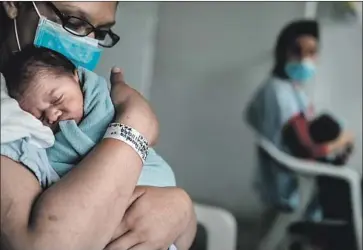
x=300 y=71
x=82 y=51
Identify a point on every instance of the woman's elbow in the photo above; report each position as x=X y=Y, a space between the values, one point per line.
x=42 y=240
x=47 y=235
x=30 y=241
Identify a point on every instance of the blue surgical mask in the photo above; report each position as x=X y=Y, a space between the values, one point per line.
x=300 y=71
x=82 y=51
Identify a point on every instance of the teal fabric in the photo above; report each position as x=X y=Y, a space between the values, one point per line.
x=33 y=158
x=74 y=141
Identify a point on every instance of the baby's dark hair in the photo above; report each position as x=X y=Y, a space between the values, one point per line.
x=33 y=63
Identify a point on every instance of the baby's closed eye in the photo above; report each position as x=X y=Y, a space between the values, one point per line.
x=58 y=100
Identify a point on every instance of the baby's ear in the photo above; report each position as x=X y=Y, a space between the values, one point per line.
x=76 y=76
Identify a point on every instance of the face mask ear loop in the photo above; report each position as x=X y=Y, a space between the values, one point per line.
x=36 y=9
x=16 y=27
x=16 y=34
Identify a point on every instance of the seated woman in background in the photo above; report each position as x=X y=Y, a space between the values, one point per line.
x=282 y=108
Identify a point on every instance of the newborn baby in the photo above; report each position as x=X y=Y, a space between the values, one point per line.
x=75 y=104
x=325 y=129
x=46 y=84
x=322 y=130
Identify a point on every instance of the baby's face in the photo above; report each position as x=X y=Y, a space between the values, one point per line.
x=52 y=99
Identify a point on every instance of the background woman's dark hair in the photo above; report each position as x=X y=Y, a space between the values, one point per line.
x=6 y=22
x=31 y=63
x=3 y=22
x=287 y=39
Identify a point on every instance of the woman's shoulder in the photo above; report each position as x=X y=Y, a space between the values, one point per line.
x=279 y=83
x=273 y=86
x=282 y=88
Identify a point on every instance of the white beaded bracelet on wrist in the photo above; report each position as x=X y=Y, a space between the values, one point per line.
x=130 y=136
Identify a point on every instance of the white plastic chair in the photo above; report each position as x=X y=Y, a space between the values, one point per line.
x=220 y=225
x=306 y=171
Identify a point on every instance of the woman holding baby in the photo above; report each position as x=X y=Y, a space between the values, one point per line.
x=282 y=112
x=97 y=205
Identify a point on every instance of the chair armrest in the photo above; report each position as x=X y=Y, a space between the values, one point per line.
x=305 y=167
x=221 y=227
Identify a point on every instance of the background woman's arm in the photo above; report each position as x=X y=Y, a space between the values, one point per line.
x=300 y=126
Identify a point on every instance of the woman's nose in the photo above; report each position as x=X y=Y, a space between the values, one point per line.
x=53 y=115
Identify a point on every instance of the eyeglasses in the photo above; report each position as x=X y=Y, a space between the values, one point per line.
x=80 y=27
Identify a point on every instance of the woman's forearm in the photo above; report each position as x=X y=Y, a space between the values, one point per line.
x=185 y=240
x=84 y=208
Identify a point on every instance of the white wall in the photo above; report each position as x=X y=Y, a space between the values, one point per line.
x=339 y=81
x=209 y=58
x=136 y=25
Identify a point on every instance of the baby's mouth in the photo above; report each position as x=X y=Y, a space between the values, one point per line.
x=55 y=127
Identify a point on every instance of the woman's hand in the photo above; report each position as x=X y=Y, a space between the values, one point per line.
x=154 y=221
x=343 y=141
x=132 y=109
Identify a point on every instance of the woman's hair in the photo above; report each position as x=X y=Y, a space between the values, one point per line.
x=28 y=65
x=4 y=21
x=287 y=39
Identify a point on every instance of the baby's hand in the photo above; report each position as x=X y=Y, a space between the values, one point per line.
x=132 y=109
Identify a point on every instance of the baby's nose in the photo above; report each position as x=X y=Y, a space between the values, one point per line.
x=53 y=116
